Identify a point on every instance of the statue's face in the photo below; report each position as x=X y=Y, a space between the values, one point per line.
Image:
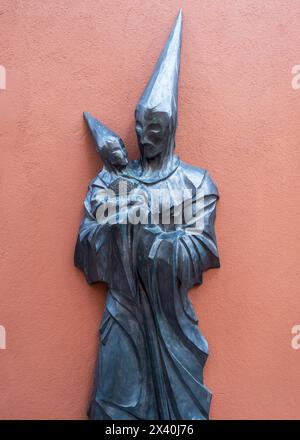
x=117 y=154
x=153 y=132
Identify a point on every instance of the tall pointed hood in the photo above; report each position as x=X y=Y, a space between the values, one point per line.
x=161 y=92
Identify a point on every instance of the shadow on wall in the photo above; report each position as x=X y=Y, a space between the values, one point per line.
x=2 y=78
x=2 y=338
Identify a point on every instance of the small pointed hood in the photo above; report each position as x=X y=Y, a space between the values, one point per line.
x=102 y=135
x=100 y=132
x=161 y=92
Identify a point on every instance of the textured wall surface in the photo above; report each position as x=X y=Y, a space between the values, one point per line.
x=239 y=118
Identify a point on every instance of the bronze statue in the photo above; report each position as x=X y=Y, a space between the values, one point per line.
x=148 y=233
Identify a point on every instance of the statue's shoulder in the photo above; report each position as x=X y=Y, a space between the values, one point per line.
x=102 y=180
x=199 y=177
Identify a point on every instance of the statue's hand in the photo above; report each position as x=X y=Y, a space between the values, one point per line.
x=171 y=235
x=164 y=244
x=164 y=235
x=153 y=229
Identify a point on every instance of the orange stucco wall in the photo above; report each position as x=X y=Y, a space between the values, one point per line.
x=239 y=118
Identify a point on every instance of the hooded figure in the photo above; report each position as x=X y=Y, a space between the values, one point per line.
x=152 y=352
x=110 y=146
x=156 y=112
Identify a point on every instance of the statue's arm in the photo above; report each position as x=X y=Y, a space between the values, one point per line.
x=192 y=247
x=91 y=251
x=198 y=249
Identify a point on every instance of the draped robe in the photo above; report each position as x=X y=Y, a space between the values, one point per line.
x=151 y=352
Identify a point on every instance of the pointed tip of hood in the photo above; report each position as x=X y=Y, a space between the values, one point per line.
x=179 y=16
x=99 y=131
x=161 y=91
x=90 y=120
x=86 y=115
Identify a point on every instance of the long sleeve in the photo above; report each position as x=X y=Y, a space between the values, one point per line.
x=198 y=249
x=192 y=247
x=93 y=242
